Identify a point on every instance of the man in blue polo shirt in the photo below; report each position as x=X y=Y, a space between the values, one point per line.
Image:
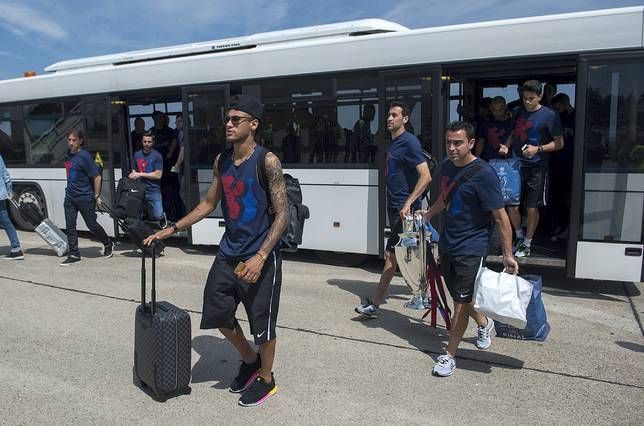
x=148 y=165
x=471 y=198
x=537 y=132
x=81 y=195
x=407 y=177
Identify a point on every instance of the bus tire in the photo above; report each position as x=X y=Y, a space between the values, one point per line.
x=27 y=194
x=338 y=258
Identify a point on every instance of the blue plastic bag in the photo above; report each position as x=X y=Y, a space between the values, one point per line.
x=509 y=172
x=537 y=327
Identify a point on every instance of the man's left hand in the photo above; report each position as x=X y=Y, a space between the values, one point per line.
x=253 y=269
x=405 y=211
x=510 y=265
x=530 y=151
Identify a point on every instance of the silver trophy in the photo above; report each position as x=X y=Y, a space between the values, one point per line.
x=411 y=254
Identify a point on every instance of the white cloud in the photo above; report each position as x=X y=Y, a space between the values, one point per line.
x=21 y=20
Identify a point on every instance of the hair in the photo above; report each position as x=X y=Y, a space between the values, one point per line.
x=560 y=98
x=77 y=133
x=533 y=86
x=402 y=105
x=139 y=119
x=456 y=126
x=485 y=102
x=178 y=115
x=498 y=100
x=148 y=134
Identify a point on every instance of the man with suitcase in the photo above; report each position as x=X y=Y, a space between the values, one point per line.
x=81 y=195
x=247 y=268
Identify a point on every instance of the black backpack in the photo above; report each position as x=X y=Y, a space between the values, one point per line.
x=130 y=195
x=297 y=212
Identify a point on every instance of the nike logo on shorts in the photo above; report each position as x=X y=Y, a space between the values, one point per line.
x=261 y=334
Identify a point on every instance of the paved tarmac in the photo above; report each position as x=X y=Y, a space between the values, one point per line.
x=66 y=341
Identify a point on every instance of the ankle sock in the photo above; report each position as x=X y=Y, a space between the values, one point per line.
x=527 y=242
x=519 y=234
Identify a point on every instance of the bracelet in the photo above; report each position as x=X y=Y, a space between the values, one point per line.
x=261 y=256
x=540 y=149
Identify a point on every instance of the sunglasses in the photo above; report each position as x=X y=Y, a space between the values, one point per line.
x=236 y=119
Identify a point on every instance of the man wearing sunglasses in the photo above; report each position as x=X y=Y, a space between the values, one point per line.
x=247 y=268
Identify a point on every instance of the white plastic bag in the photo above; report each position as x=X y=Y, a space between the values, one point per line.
x=502 y=296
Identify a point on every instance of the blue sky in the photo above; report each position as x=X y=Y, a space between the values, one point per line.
x=37 y=33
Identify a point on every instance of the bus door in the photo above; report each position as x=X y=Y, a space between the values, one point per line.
x=204 y=109
x=103 y=140
x=608 y=180
x=416 y=89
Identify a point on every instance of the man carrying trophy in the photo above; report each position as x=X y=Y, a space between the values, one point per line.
x=408 y=177
x=471 y=197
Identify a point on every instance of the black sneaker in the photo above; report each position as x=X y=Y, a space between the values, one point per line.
x=14 y=255
x=107 y=250
x=70 y=260
x=258 y=392
x=247 y=373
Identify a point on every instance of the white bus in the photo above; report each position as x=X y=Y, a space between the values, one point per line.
x=325 y=92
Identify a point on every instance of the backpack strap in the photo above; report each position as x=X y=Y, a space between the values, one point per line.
x=465 y=176
x=221 y=158
x=263 y=179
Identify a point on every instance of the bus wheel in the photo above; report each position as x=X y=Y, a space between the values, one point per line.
x=28 y=194
x=339 y=258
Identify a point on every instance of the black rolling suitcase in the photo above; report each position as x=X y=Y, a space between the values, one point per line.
x=162 y=344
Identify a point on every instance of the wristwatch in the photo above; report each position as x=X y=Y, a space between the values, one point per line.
x=175 y=228
x=540 y=149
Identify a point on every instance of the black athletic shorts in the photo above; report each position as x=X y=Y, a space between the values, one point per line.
x=534 y=185
x=460 y=274
x=224 y=291
x=395 y=224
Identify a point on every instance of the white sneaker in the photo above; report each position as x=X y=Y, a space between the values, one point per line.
x=418 y=302
x=484 y=340
x=445 y=366
x=368 y=310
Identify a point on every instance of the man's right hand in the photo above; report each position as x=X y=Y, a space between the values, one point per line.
x=503 y=150
x=134 y=175
x=159 y=235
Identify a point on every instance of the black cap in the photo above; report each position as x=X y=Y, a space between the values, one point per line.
x=248 y=104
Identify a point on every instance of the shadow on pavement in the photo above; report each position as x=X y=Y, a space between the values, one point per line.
x=419 y=334
x=218 y=361
x=635 y=347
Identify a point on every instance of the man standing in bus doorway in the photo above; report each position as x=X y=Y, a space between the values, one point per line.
x=148 y=165
x=537 y=132
x=81 y=195
x=408 y=177
x=474 y=199
x=493 y=133
x=248 y=266
x=15 y=252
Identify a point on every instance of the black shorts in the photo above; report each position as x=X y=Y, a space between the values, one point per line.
x=395 y=224
x=224 y=291
x=534 y=185
x=460 y=274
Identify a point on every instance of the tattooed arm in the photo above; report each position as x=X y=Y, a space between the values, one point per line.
x=277 y=189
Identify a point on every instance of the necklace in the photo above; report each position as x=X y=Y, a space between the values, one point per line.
x=241 y=161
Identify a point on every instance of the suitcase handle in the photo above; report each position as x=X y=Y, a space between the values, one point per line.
x=154 y=290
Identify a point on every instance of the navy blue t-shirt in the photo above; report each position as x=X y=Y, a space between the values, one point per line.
x=535 y=128
x=148 y=163
x=245 y=207
x=81 y=170
x=495 y=133
x=405 y=153
x=469 y=214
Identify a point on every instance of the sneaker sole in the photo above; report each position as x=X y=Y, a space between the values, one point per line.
x=14 y=258
x=107 y=257
x=370 y=316
x=261 y=401
x=247 y=384
x=483 y=348
x=434 y=373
